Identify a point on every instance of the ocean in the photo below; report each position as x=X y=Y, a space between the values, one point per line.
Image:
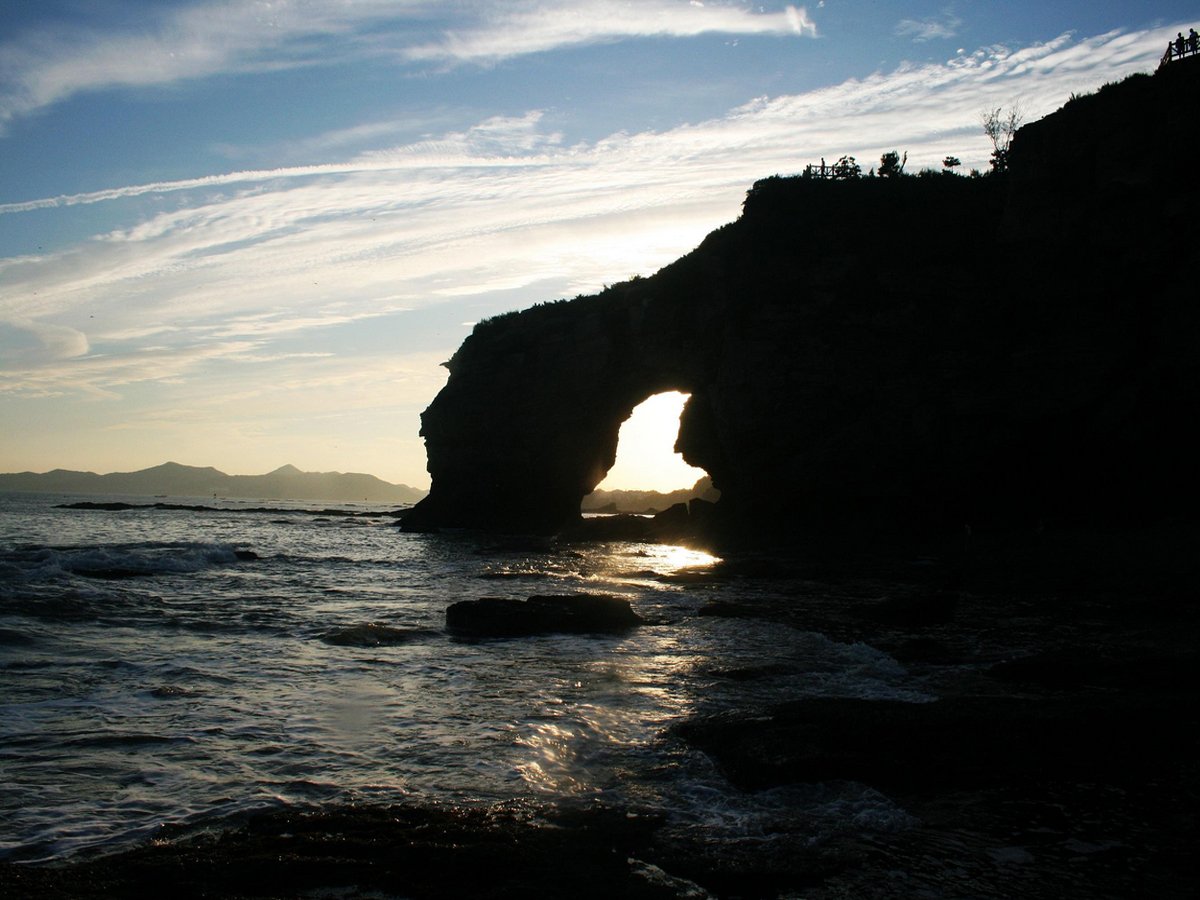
x=187 y=665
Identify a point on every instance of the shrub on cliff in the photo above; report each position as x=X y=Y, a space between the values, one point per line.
x=1000 y=129
x=891 y=165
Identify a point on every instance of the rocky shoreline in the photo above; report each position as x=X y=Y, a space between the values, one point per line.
x=1059 y=758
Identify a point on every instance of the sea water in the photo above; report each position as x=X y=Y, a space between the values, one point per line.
x=183 y=665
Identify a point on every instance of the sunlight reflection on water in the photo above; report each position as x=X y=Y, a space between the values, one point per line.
x=668 y=559
x=599 y=564
x=205 y=687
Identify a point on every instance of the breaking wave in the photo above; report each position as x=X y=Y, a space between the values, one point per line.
x=115 y=561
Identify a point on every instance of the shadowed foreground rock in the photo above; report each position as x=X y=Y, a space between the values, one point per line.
x=564 y=614
x=353 y=852
x=959 y=742
x=372 y=634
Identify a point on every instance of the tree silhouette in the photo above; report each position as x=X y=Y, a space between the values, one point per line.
x=847 y=167
x=891 y=165
x=1000 y=129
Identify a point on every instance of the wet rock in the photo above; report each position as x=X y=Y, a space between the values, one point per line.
x=671 y=526
x=569 y=614
x=12 y=638
x=372 y=634
x=961 y=742
x=674 y=518
x=110 y=573
x=623 y=527
x=924 y=650
x=916 y=610
x=363 y=851
x=1066 y=669
x=729 y=609
x=754 y=673
x=697 y=576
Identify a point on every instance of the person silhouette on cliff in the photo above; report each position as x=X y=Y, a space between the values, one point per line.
x=1193 y=41
x=1180 y=44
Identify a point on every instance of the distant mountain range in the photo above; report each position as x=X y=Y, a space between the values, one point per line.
x=647 y=501
x=175 y=480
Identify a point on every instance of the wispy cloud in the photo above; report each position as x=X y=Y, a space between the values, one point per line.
x=177 y=43
x=244 y=261
x=940 y=27
x=39 y=68
x=533 y=27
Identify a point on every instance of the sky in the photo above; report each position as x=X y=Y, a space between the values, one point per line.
x=244 y=233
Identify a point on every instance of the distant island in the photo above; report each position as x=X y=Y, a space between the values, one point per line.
x=642 y=502
x=175 y=480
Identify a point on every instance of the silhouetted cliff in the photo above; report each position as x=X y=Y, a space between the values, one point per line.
x=919 y=351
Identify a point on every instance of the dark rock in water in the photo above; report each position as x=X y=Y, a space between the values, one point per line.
x=572 y=614
x=728 y=609
x=754 y=673
x=372 y=634
x=372 y=851
x=111 y=573
x=245 y=555
x=623 y=527
x=522 y=545
x=1045 y=367
x=916 y=610
x=673 y=518
x=12 y=638
x=963 y=742
x=699 y=576
x=924 y=650
x=104 y=506
x=673 y=525
x=1059 y=670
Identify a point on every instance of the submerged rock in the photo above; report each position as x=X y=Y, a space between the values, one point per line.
x=568 y=614
x=372 y=634
x=956 y=742
x=917 y=610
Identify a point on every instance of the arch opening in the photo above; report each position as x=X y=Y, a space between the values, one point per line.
x=648 y=473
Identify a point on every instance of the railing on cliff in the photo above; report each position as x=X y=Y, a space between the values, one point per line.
x=844 y=168
x=1181 y=47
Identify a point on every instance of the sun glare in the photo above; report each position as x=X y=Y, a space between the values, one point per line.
x=646 y=458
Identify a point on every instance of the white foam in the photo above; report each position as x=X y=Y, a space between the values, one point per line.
x=39 y=564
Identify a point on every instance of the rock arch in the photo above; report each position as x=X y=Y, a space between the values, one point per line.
x=647 y=461
x=528 y=422
x=841 y=376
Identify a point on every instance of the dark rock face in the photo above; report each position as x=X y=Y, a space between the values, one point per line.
x=565 y=614
x=926 y=351
x=955 y=742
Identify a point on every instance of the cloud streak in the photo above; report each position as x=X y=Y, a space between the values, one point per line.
x=248 y=258
x=167 y=45
x=240 y=294
x=41 y=67
x=525 y=28
x=937 y=28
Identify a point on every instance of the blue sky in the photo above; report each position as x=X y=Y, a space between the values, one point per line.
x=244 y=234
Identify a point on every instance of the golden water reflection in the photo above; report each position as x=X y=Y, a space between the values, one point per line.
x=670 y=558
x=597 y=707
x=615 y=563
x=608 y=707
